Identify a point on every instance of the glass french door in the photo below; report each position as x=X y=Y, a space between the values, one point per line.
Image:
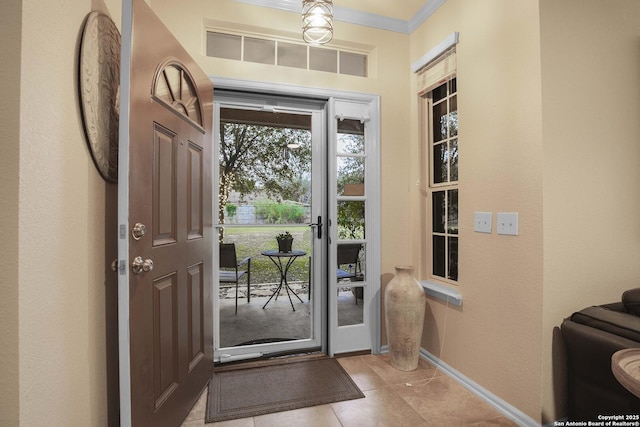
x=271 y=184
x=354 y=252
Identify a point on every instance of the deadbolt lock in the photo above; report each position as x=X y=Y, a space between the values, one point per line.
x=138 y=231
x=140 y=265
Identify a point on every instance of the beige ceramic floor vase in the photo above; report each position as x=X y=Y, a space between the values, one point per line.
x=404 y=303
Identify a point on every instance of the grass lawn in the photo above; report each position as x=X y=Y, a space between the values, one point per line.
x=251 y=241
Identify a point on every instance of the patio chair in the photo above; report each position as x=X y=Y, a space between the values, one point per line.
x=349 y=258
x=235 y=270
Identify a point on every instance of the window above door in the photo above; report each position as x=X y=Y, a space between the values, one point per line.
x=285 y=53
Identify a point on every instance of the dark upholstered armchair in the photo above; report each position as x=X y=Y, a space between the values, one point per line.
x=592 y=335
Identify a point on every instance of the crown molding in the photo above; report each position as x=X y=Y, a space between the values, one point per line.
x=358 y=17
x=288 y=5
x=425 y=12
x=368 y=19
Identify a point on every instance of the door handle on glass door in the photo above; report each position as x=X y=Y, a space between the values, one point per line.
x=318 y=225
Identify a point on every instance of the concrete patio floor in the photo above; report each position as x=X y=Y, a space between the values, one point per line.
x=277 y=320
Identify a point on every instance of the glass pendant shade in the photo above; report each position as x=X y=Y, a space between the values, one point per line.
x=317 y=21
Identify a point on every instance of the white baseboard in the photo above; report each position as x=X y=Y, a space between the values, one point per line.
x=509 y=411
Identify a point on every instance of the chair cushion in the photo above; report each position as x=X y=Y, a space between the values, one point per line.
x=343 y=274
x=616 y=323
x=631 y=301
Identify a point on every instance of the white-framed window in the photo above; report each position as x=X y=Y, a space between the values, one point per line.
x=438 y=96
x=443 y=155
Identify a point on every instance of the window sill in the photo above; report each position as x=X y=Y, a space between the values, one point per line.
x=442 y=292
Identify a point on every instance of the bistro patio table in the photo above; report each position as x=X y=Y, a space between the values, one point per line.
x=283 y=261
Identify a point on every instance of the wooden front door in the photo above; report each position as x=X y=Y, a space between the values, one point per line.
x=168 y=228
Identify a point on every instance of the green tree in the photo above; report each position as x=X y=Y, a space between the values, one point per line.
x=258 y=158
x=350 y=171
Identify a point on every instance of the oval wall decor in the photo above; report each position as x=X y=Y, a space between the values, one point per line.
x=99 y=84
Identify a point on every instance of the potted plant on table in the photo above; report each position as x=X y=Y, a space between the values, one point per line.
x=285 y=241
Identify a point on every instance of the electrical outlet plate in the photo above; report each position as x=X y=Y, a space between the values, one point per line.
x=507 y=223
x=482 y=222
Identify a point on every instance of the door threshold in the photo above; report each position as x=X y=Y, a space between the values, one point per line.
x=353 y=353
x=280 y=358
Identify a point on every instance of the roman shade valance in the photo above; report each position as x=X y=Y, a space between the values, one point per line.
x=438 y=65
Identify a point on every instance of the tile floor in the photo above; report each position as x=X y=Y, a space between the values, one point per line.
x=393 y=398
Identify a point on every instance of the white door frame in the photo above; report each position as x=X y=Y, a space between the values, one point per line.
x=338 y=338
x=316 y=112
x=124 y=345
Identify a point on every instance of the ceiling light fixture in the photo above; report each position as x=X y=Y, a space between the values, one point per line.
x=317 y=21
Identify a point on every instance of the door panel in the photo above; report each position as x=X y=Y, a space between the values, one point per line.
x=195 y=176
x=195 y=310
x=167 y=189
x=165 y=338
x=164 y=186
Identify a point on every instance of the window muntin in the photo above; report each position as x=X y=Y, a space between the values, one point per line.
x=443 y=180
x=351 y=161
x=174 y=87
x=444 y=135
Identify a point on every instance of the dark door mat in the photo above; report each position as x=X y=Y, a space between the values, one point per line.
x=251 y=392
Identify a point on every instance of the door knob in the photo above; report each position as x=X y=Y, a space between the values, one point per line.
x=140 y=265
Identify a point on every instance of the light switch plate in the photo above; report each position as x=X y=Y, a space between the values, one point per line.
x=482 y=222
x=507 y=223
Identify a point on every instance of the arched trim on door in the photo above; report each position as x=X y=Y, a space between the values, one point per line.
x=174 y=87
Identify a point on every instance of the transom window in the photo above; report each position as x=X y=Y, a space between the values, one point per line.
x=286 y=53
x=443 y=179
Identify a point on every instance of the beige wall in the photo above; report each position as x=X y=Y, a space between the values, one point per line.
x=591 y=126
x=574 y=66
x=58 y=248
x=495 y=337
x=10 y=34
